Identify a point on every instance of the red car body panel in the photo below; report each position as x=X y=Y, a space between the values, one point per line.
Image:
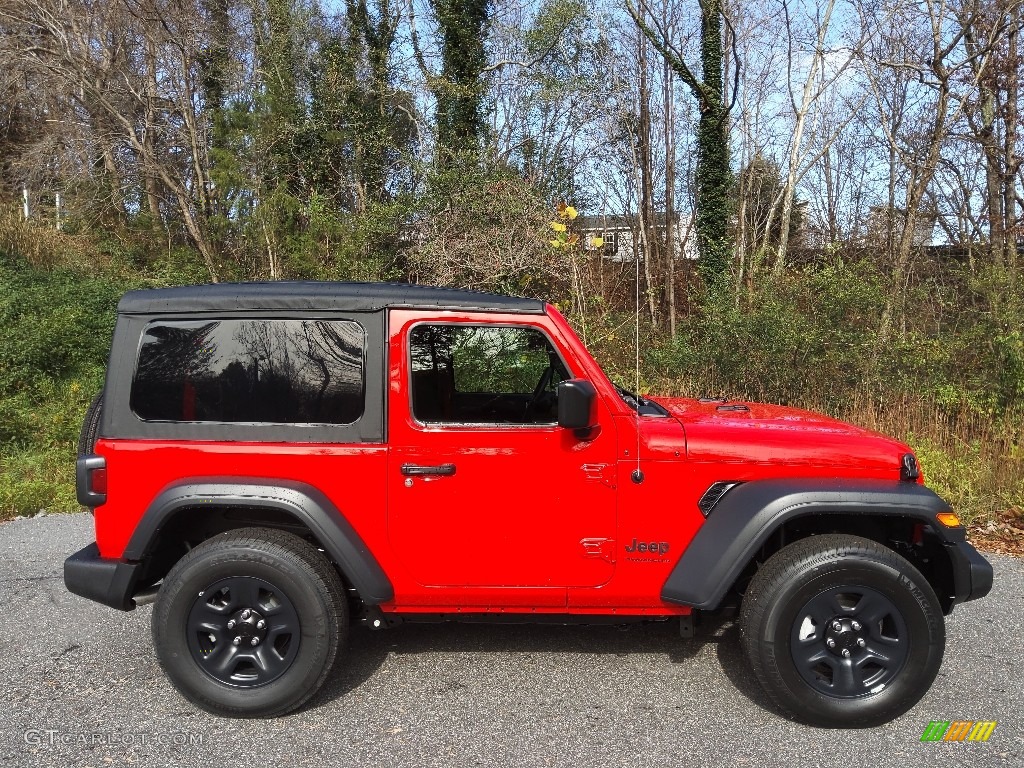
x=138 y=470
x=534 y=519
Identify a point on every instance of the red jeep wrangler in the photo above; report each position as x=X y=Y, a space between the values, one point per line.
x=269 y=460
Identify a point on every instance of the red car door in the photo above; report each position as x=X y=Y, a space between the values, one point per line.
x=485 y=490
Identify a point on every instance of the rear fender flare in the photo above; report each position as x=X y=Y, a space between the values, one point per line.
x=301 y=501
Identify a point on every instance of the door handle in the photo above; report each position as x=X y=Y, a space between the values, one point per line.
x=437 y=470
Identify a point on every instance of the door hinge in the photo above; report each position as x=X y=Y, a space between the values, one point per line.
x=602 y=473
x=600 y=548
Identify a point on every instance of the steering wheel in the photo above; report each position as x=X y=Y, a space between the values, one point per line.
x=540 y=392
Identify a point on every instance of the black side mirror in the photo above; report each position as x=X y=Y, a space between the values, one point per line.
x=577 y=408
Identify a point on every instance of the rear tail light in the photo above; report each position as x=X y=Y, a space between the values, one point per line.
x=91 y=480
x=98 y=482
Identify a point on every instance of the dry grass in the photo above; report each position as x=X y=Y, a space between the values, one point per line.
x=41 y=245
x=972 y=460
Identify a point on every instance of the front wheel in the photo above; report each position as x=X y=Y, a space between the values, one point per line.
x=842 y=632
x=249 y=623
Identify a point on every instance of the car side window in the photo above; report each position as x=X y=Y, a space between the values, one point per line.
x=250 y=371
x=484 y=374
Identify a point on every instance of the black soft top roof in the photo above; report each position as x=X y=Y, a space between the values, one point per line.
x=312 y=296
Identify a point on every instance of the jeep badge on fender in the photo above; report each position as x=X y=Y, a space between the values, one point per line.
x=271 y=461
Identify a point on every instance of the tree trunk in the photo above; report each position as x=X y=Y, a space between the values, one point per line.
x=920 y=177
x=993 y=174
x=713 y=175
x=1012 y=159
x=149 y=135
x=808 y=97
x=459 y=90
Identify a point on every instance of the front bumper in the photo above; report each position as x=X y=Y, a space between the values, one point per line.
x=972 y=573
x=111 y=582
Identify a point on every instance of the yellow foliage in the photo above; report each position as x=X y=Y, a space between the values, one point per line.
x=565 y=238
x=596 y=242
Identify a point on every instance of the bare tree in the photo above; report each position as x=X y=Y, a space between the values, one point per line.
x=108 y=58
x=941 y=100
x=992 y=113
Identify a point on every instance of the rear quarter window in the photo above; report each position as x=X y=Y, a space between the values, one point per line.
x=250 y=371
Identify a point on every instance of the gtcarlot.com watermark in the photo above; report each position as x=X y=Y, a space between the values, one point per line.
x=52 y=737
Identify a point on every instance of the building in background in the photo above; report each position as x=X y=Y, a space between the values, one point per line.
x=621 y=235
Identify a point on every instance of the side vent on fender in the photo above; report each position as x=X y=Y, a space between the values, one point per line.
x=713 y=495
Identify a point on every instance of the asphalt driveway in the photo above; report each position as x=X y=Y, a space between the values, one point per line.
x=80 y=686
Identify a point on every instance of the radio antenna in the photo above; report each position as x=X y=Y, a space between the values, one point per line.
x=637 y=476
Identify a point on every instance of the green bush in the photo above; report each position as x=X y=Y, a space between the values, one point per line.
x=807 y=336
x=34 y=480
x=950 y=383
x=55 y=328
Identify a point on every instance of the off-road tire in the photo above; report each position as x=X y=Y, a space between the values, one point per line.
x=90 y=426
x=293 y=579
x=820 y=590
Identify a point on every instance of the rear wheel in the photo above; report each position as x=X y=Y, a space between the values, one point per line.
x=249 y=623
x=842 y=632
x=90 y=426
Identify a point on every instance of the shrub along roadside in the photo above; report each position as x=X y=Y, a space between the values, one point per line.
x=55 y=328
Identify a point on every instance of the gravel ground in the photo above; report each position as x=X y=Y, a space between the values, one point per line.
x=80 y=686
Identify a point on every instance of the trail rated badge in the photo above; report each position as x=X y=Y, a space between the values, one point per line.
x=959 y=730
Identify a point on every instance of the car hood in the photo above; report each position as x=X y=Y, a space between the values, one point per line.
x=737 y=431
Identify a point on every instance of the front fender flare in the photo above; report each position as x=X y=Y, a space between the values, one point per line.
x=301 y=501
x=746 y=516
